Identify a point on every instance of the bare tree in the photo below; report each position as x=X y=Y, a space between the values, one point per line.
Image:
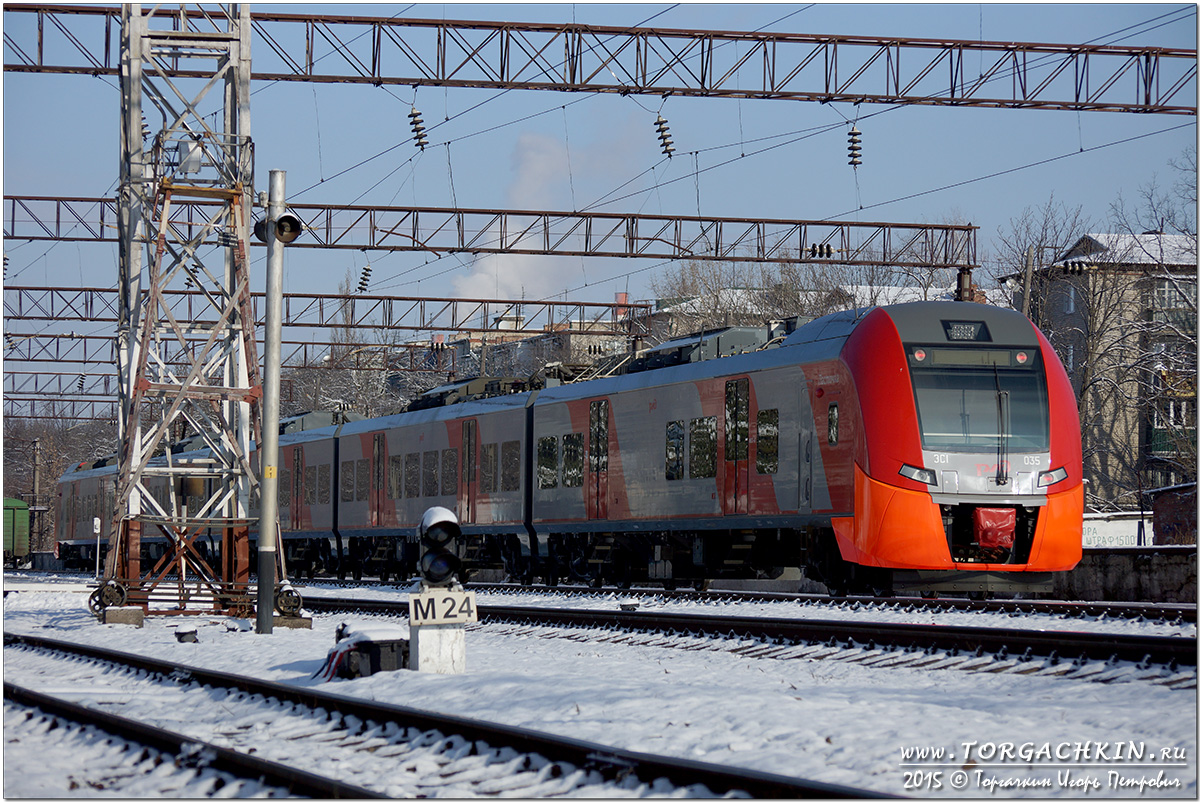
x=1161 y=227
x=1045 y=231
x=354 y=374
x=61 y=444
x=1120 y=310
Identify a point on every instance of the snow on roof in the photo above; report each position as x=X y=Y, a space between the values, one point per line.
x=1133 y=249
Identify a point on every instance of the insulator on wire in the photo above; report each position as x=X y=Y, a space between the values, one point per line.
x=664 y=135
x=79 y=384
x=820 y=251
x=365 y=280
x=855 y=146
x=418 y=127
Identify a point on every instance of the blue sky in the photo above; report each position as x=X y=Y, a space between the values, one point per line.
x=599 y=152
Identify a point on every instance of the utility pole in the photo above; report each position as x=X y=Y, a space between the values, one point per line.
x=1028 y=283
x=36 y=507
x=268 y=454
x=203 y=151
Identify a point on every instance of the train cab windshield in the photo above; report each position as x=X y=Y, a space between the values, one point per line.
x=972 y=399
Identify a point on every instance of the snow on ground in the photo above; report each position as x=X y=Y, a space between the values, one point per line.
x=611 y=600
x=828 y=720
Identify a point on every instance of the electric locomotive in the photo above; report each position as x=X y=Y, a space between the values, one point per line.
x=967 y=468
x=928 y=446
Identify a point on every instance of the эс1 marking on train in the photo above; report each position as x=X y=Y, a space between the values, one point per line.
x=927 y=446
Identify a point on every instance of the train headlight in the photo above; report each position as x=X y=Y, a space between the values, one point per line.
x=1047 y=478
x=923 y=475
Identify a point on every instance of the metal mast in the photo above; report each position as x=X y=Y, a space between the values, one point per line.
x=184 y=379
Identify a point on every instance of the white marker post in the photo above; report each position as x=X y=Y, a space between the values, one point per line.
x=437 y=620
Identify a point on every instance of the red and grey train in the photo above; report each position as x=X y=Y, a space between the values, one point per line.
x=925 y=446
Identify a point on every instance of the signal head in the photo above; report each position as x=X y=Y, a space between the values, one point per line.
x=438 y=564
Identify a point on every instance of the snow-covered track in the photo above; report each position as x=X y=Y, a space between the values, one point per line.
x=188 y=752
x=469 y=757
x=1027 y=643
x=1167 y=613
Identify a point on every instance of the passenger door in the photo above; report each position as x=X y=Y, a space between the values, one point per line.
x=468 y=487
x=736 y=479
x=297 y=489
x=597 y=462
x=805 y=475
x=378 y=476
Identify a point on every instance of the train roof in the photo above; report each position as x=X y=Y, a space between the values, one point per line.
x=464 y=409
x=920 y=321
x=931 y=321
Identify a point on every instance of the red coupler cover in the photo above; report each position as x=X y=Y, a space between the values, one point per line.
x=995 y=527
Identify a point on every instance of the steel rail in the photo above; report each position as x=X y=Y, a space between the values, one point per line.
x=609 y=760
x=1185 y=613
x=1044 y=643
x=651 y=61
x=296 y=781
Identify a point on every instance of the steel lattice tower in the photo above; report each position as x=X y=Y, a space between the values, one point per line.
x=195 y=379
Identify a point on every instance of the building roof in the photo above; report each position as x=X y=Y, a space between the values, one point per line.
x=749 y=300
x=1170 y=250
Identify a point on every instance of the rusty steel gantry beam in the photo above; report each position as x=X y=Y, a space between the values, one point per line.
x=323 y=311
x=50 y=352
x=653 y=61
x=498 y=231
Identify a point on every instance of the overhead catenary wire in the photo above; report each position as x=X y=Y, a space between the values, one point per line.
x=1140 y=27
x=392 y=283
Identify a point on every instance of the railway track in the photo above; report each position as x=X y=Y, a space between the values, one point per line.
x=1123 y=611
x=397 y=751
x=1165 y=613
x=1158 y=658
x=188 y=753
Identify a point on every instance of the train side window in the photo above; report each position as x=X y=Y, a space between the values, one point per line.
x=702 y=458
x=395 y=476
x=362 y=479
x=767 y=460
x=283 y=494
x=572 y=471
x=674 y=450
x=487 y=468
x=310 y=485
x=323 y=482
x=510 y=464
x=429 y=473
x=450 y=472
x=833 y=424
x=412 y=475
x=547 y=468
x=347 y=493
